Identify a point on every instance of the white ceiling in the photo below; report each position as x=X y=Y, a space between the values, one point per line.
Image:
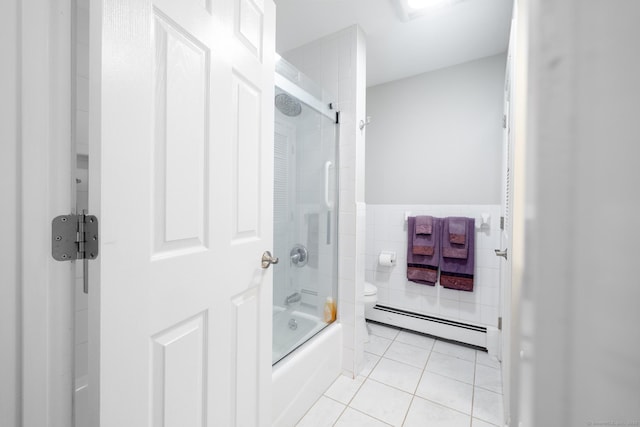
x=465 y=31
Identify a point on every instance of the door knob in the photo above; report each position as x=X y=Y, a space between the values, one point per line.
x=503 y=254
x=268 y=259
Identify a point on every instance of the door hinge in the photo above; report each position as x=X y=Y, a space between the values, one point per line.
x=499 y=323
x=74 y=236
x=501 y=223
x=504 y=121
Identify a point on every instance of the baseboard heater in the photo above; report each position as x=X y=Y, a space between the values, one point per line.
x=443 y=328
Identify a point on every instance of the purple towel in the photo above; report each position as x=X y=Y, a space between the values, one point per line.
x=450 y=249
x=457 y=233
x=423 y=268
x=457 y=273
x=424 y=224
x=424 y=243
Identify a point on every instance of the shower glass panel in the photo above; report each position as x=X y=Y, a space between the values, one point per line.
x=305 y=281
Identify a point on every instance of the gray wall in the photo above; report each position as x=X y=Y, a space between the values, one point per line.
x=10 y=252
x=436 y=138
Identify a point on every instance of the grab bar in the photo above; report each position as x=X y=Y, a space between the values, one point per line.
x=327 y=202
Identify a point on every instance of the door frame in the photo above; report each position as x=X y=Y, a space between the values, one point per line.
x=41 y=184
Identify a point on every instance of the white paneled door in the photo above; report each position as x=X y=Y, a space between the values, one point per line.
x=181 y=180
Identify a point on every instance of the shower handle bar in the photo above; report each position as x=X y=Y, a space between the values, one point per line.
x=327 y=202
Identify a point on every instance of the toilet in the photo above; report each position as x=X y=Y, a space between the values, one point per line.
x=370 y=297
x=370 y=300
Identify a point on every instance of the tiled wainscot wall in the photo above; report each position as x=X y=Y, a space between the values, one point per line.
x=387 y=231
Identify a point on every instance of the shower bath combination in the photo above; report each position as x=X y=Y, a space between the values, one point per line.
x=305 y=214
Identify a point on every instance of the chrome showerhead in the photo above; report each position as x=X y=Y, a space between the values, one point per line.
x=288 y=105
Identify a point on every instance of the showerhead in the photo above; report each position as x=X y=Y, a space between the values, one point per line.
x=288 y=105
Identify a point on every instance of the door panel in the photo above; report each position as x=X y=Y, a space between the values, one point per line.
x=249 y=25
x=178 y=372
x=181 y=139
x=184 y=169
x=246 y=159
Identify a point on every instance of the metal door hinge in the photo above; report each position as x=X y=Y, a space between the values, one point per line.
x=74 y=237
x=499 y=323
x=504 y=121
x=501 y=223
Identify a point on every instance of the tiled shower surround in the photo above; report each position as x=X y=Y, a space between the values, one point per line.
x=387 y=231
x=337 y=63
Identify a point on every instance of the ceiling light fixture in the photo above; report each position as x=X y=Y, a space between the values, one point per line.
x=411 y=9
x=424 y=4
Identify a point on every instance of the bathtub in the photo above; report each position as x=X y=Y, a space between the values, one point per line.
x=291 y=328
x=301 y=377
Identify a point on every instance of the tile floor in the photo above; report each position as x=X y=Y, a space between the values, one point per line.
x=413 y=380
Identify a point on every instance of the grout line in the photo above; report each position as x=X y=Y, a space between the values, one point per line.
x=371 y=416
x=424 y=368
x=341 y=413
x=473 y=391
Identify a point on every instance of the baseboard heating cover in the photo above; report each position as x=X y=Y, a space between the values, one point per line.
x=448 y=329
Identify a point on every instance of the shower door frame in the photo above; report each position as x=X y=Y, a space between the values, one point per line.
x=306 y=98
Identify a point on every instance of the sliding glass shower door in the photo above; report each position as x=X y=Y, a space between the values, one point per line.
x=305 y=217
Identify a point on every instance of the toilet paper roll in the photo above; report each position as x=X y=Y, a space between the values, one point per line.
x=386 y=259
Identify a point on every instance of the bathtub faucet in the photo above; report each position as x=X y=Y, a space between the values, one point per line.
x=294 y=297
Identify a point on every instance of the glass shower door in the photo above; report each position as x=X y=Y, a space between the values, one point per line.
x=305 y=218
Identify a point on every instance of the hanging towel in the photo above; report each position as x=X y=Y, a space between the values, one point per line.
x=423 y=268
x=424 y=240
x=457 y=233
x=457 y=272
x=450 y=249
x=424 y=224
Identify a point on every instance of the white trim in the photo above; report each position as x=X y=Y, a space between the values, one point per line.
x=10 y=294
x=47 y=286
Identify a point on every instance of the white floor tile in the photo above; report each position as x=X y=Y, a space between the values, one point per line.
x=382 y=402
x=479 y=423
x=368 y=363
x=488 y=378
x=377 y=345
x=460 y=386
x=487 y=406
x=397 y=374
x=424 y=413
x=414 y=338
x=446 y=391
x=455 y=350
x=353 y=418
x=451 y=366
x=324 y=412
x=483 y=358
x=383 y=331
x=344 y=388
x=408 y=354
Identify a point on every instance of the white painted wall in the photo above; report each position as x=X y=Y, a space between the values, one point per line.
x=338 y=64
x=436 y=138
x=10 y=256
x=580 y=284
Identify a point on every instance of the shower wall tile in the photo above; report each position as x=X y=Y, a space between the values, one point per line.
x=387 y=230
